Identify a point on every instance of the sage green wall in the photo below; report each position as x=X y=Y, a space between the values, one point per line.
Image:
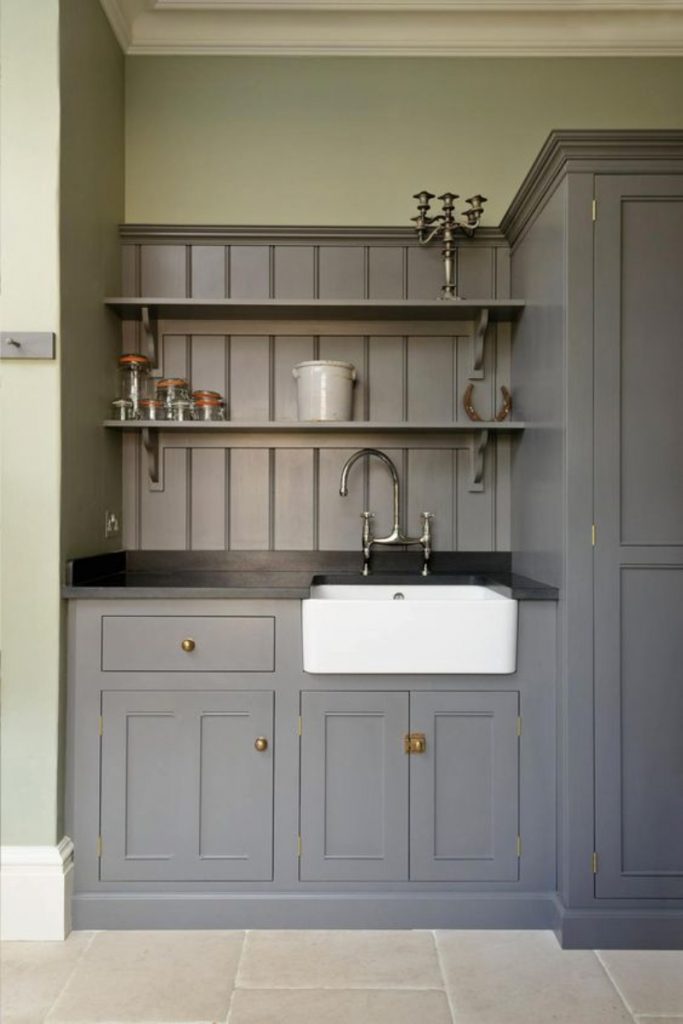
x=240 y=140
x=62 y=93
x=29 y=271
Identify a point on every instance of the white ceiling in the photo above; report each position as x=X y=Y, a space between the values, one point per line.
x=476 y=28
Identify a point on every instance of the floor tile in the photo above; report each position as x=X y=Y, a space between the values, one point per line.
x=525 y=978
x=339 y=959
x=651 y=981
x=160 y=976
x=338 y=1006
x=32 y=974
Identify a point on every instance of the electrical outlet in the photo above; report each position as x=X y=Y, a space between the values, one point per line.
x=112 y=527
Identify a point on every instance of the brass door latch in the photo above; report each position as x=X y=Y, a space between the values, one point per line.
x=414 y=743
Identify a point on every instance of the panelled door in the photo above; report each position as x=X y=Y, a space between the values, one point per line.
x=371 y=811
x=639 y=539
x=354 y=786
x=185 y=793
x=464 y=788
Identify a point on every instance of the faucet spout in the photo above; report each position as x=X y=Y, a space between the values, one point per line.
x=366 y=453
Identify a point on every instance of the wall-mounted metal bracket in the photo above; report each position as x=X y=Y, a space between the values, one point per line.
x=478 y=337
x=478 y=446
x=151 y=444
x=27 y=345
x=150 y=329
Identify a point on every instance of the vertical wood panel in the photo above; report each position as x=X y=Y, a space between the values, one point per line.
x=208 y=362
x=163 y=271
x=342 y=272
x=386 y=272
x=476 y=272
x=163 y=514
x=294 y=272
x=431 y=380
x=130 y=270
x=294 y=511
x=249 y=272
x=339 y=518
x=386 y=380
x=288 y=352
x=249 y=378
x=208 y=490
x=249 y=499
x=350 y=350
x=425 y=272
x=130 y=445
x=431 y=489
x=175 y=360
x=208 y=271
x=475 y=509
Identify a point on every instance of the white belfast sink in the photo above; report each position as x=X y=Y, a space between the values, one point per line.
x=379 y=628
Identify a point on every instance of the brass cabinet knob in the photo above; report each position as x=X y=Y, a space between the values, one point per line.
x=188 y=645
x=261 y=744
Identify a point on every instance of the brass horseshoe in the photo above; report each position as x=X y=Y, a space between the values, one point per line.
x=502 y=413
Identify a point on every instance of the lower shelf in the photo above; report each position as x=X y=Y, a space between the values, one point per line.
x=474 y=437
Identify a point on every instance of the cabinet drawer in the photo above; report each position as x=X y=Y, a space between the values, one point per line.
x=216 y=643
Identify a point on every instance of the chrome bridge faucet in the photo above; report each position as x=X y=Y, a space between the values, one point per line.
x=396 y=536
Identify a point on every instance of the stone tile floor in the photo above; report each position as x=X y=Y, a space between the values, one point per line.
x=333 y=977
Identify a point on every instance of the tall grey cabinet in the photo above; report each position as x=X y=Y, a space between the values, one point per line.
x=597 y=251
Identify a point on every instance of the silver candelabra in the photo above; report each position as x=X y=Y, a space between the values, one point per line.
x=444 y=226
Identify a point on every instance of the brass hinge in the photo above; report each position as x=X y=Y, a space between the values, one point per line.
x=300 y=727
x=594 y=210
x=298 y=846
x=519 y=846
x=99 y=846
x=519 y=725
x=593 y=534
x=594 y=863
x=100 y=726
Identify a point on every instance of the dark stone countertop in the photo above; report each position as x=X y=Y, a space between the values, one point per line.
x=254 y=575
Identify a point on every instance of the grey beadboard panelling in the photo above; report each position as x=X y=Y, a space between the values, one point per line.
x=288 y=499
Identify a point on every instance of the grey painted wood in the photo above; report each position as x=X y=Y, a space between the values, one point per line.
x=342 y=272
x=354 y=779
x=639 y=552
x=249 y=272
x=152 y=643
x=163 y=270
x=249 y=378
x=185 y=795
x=295 y=272
x=463 y=789
x=387 y=273
x=295 y=512
x=208 y=475
x=208 y=272
x=250 y=499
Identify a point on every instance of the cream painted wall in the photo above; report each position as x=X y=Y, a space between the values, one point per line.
x=29 y=269
x=238 y=140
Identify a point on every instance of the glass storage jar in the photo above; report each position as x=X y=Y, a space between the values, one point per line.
x=134 y=372
x=123 y=409
x=170 y=390
x=208 y=409
x=181 y=410
x=152 y=409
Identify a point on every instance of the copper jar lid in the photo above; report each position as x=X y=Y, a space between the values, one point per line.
x=132 y=359
x=205 y=400
x=172 y=382
x=208 y=394
x=151 y=402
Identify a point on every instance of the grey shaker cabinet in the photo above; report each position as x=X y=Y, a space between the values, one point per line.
x=464 y=809
x=639 y=554
x=369 y=811
x=185 y=794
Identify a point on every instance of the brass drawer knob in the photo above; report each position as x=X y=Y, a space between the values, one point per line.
x=415 y=743
x=261 y=744
x=188 y=645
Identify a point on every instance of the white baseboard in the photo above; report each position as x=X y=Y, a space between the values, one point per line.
x=35 y=891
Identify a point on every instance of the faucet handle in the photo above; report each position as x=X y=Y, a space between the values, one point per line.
x=367 y=515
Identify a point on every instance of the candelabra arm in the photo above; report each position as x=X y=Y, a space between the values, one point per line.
x=425 y=239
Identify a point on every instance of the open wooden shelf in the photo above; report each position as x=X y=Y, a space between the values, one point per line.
x=311 y=427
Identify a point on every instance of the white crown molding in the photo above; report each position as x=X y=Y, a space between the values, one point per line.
x=35 y=891
x=492 y=28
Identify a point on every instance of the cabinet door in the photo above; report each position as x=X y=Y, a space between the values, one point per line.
x=639 y=550
x=185 y=795
x=464 y=787
x=354 y=787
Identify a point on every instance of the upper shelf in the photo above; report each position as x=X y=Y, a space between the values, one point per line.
x=315 y=309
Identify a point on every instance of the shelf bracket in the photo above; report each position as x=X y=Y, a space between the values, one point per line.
x=478 y=337
x=150 y=441
x=478 y=446
x=150 y=329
